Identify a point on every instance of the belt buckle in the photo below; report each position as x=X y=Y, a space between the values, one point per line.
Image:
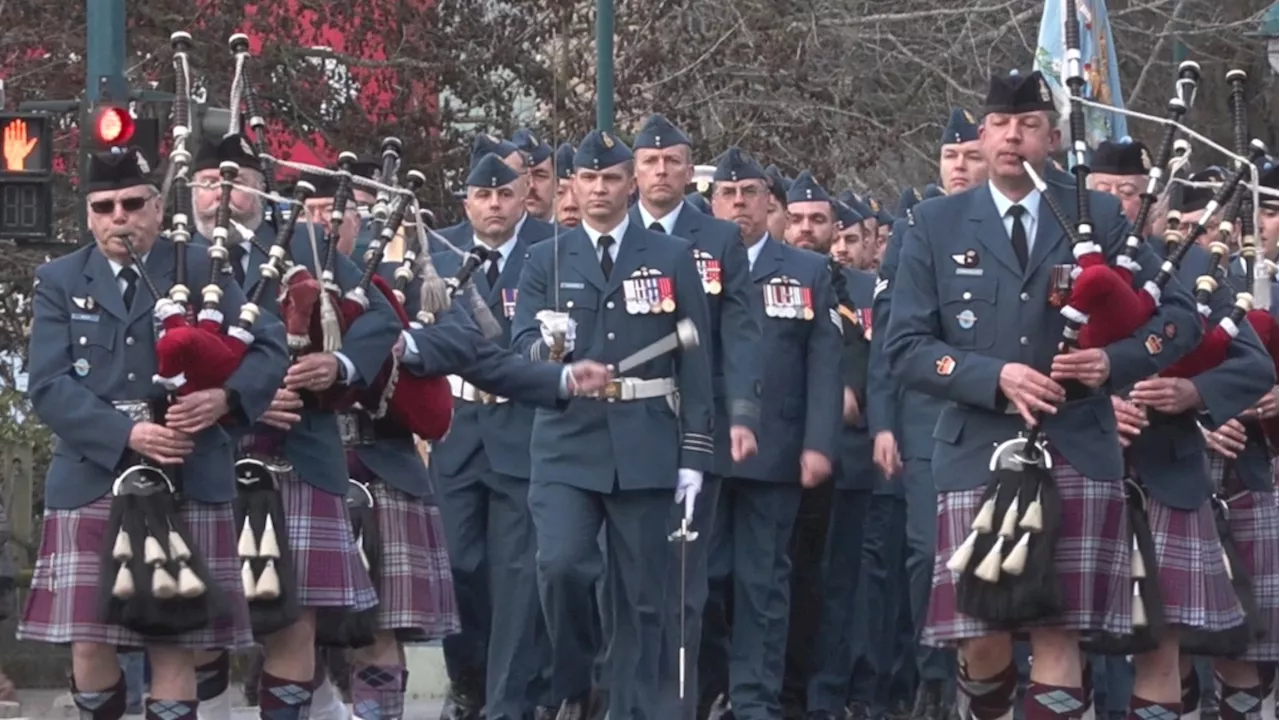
x=612 y=391
x=135 y=410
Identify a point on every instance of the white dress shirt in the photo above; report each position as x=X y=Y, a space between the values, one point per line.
x=503 y=251
x=117 y=267
x=616 y=233
x=1030 y=204
x=667 y=221
x=753 y=251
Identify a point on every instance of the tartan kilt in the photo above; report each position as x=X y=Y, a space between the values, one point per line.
x=1092 y=559
x=325 y=559
x=1254 y=519
x=64 y=606
x=1194 y=584
x=415 y=590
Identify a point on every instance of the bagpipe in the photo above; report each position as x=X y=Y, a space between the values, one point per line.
x=152 y=581
x=243 y=89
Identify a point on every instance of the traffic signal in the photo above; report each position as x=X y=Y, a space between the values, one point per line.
x=26 y=176
x=112 y=126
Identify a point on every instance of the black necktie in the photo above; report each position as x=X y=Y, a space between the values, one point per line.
x=606 y=260
x=491 y=274
x=130 y=278
x=237 y=263
x=657 y=227
x=1019 y=235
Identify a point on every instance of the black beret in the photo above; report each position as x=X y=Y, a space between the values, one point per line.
x=118 y=169
x=1126 y=157
x=1014 y=94
x=230 y=148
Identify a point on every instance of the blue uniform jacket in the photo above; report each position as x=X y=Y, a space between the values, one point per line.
x=501 y=430
x=734 y=341
x=596 y=444
x=88 y=351
x=803 y=394
x=1169 y=455
x=313 y=445
x=963 y=307
x=909 y=414
x=857 y=471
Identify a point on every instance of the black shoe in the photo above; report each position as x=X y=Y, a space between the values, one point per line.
x=857 y=710
x=461 y=704
x=929 y=703
x=575 y=708
x=597 y=703
x=720 y=709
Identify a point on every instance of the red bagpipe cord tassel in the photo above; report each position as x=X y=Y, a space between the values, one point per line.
x=1268 y=330
x=424 y=405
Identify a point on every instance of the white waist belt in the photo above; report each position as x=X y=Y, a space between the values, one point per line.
x=625 y=389
x=467 y=392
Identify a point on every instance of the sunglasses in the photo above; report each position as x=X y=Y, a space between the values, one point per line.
x=129 y=205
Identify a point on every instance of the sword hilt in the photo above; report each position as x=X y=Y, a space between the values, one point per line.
x=684 y=533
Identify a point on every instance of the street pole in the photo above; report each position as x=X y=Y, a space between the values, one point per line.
x=604 y=65
x=105 y=53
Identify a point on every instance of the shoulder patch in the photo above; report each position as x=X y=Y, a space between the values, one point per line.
x=835 y=320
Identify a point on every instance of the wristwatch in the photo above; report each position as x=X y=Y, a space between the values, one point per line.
x=342 y=373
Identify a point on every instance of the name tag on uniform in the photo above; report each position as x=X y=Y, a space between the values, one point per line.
x=572 y=286
x=86 y=317
x=509 y=302
x=709 y=269
x=785 y=297
x=647 y=291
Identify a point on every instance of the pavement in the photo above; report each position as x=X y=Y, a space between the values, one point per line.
x=56 y=705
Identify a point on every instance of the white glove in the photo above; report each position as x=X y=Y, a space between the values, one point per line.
x=555 y=323
x=688 y=485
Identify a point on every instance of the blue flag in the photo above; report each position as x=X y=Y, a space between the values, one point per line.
x=1098 y=63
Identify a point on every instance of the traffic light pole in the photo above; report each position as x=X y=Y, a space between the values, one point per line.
x=604 y=65
x=106 y=51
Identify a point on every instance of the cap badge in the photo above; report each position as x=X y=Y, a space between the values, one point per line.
x=244 y=146
x=1045 y=94
x=968 y=116
x=606 y=139
x=143 y=166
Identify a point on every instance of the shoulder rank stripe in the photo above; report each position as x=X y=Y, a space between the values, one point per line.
x=850 y=315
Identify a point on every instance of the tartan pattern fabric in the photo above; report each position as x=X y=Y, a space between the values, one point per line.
x=325 y=558
x=171 y=709
x=377 y=692
x=1193 y=577
x=1092 y=558
x=63 y=604
x=415 y=591
x=1254 y=518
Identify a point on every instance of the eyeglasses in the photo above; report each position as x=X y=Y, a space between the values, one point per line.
x=129 y=205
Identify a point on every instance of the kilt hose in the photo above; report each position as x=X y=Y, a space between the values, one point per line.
x=325 y=559
x=1092 y=559
x=63 y=606
x=415 y=590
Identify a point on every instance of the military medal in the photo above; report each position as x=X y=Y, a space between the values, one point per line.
x=509 y=302
x=668 y=296
x=631 y=292
x=806 y=301
x=864 y=318
x=709 y=269
x=1060 y=284
x=770 y=303
x=655 y=300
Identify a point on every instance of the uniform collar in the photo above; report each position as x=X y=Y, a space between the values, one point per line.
x=667 y=221
x=1030 y=203
x=117 y=267
x=753 y=252
x=616 y=233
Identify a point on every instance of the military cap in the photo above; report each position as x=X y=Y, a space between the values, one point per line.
x=600 y=150
x=735 y=165
x=848 y=197
x=778 y=183
x=490 y=172
x=908 y=200
x=846 y=217
x=230 y=148
x=1197 y=198
x=118 y=169
x=883 y=216
x=530 y=145
x=486 y=143
x=698 y=201
x=932 y=191
x=1267 y=178
x=1125 y=157
x=806 y=189
x=1015 y=93
x=658 y=133
x=962 y=127
x=564 y=161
